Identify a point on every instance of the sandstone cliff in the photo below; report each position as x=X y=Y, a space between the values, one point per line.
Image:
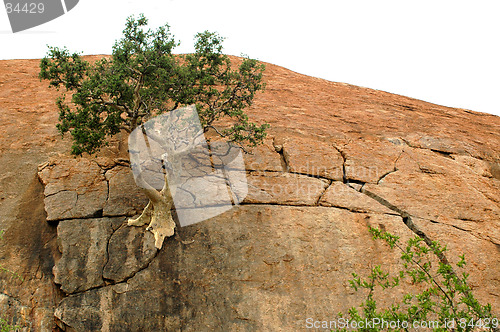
x=338 y=159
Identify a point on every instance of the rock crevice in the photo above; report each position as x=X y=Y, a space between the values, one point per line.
x=407 y=220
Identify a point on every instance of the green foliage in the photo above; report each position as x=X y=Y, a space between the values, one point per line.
x=143 y=79
x=5 y=326
x=446 y=299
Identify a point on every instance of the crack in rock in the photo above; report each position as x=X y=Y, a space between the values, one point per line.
x=279 y=149
x=107 y=194
x=344 y=160
x=107 y=251
x=142 y=268
x=395 y=169
x=123 y=267
x=408 y=222
x=129 y=250
x=324 y=192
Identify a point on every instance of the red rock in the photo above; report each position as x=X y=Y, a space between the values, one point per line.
x=447 y=179
x=343 y=196
x=74 y=188
x=124 y=197
x=264 y=158
x=312 y=157
x=284 y=189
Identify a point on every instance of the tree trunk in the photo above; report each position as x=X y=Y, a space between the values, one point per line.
x=157 y=214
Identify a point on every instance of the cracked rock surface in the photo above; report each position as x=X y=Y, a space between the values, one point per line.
x=239 y=275
x=338 y=158
x=77 y=188
x=74 y=188
x=249 y=264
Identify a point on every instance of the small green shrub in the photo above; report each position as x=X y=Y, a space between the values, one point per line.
x=446 y=302
x=6 y=327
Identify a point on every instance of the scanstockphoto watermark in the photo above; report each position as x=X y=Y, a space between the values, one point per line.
x=382 y=324
x=25 y=15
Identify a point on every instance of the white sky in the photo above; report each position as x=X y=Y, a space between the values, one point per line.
x=441 y=51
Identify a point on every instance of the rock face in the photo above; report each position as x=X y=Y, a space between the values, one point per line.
x=338 y=159
x=73 y=189
x=82 y=188
x=241 y=275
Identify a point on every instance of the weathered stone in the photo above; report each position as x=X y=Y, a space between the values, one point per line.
x=368 y=160
x=130 y=249
x=83 y=244
x=478 y=248
x=105 y=162
x=17 y=313
x=74 y=188
x=479 y=166
x=341 y=195
x=356 y=186
x=70 y=174
x=61 y=205
x=284 y=188
x=125 y=197
x=135 y=305
x=208 y=190
x=244 y=269
x=264 y=267
x=495 y=169
x=28 y=249
x=263 y=158
x=435 y=143
x=434 y=187
x=312 y=157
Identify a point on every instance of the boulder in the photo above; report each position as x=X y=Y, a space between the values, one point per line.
x=337 y=159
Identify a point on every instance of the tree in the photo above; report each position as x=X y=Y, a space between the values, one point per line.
x=143 y=79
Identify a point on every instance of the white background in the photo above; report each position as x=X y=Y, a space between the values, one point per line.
x=441 y=51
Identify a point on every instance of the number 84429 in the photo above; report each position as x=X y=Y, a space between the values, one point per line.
x=28 y=8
